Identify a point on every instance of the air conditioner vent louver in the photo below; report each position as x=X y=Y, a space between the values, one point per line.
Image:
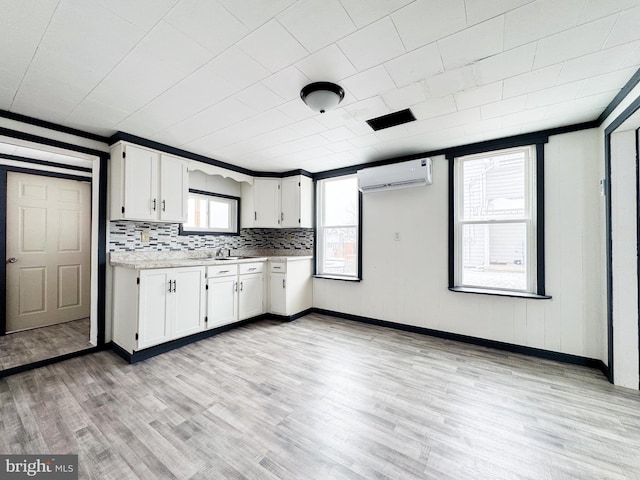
x=414 y=173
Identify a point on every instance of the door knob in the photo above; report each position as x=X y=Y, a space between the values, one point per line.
x=12 y=260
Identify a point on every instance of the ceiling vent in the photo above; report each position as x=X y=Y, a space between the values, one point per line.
x=392 y=119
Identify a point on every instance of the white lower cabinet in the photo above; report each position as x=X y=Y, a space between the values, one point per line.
x=290 y=287
x=168 y=303
x=235 y=292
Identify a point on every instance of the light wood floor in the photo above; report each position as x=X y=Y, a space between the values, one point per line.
x=322 y=398
x=28 y=346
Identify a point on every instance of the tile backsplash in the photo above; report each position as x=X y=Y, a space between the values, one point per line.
x=125 y=236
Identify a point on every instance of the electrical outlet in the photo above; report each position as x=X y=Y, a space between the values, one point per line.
x=396 y=236
x=144 y=236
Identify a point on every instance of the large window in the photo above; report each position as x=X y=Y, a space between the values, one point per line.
x=495 y=221
x=338 y=232
x=211 y=213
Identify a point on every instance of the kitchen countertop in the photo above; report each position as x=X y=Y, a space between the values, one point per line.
x=138 y=263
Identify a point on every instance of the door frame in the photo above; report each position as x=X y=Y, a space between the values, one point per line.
x=98 y=178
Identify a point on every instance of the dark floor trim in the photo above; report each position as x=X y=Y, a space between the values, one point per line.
x=290 y=318
x=147 y=353
x=52 y=126
x=48 y=361
x=482 y=342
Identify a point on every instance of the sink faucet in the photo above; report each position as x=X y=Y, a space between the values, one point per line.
x=219 y=253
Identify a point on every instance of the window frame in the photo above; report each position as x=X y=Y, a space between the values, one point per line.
x=203 y=193
x=535 y=232
x=319 y=231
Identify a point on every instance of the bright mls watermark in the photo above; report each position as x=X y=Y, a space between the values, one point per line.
x=51 y=467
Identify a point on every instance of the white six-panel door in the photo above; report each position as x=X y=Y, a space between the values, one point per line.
x=48 y=250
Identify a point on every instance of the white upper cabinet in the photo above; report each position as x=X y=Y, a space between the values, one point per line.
x=147 y=185
x=266 y=199
x=276 y=203
x=297 y=202
x=174 y=189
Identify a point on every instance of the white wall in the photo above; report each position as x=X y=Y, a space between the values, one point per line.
x=624 y=258
x=406 y=281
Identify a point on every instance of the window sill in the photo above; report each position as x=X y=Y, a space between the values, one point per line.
x=501 y=293
x=336 y=277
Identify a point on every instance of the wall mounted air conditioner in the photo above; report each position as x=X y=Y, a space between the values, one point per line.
x=414 y=173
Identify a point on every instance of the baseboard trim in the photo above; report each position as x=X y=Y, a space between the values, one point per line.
x=49 y=361
x=482 y=342
x=290 y=318
x=140 y=355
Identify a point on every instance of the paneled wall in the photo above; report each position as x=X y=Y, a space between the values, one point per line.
x=406 y=281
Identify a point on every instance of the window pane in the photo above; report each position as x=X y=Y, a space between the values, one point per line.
x=219 y=214
x=197 y=216
x=494 y=187
x=340 y=247
x=494 y=255
x=341 y=201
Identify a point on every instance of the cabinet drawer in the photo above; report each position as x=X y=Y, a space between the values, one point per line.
x=222 y=270
x=278 y=267
x=251 y=267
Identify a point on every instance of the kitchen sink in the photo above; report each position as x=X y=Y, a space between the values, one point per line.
x=228 y=258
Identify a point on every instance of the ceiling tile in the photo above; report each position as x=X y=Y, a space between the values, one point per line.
x=342 y=146
x=595 y=64
x=259 y=97
x=503 y=107
x=593 y=102
x=597 y=8
x=434 y=107
x=417 y=65
x=539 y=19
x=552 y=95
x=94 y=114
x=307 y=127
x=578 y=41
x=426 y=21
x=328 y=64
x=481 y=10
x=163 y=58
x=6 y=97
x=607 y=82
x=364 y=12
x=60 y=98
x=633 y=60
x=317 y=23
x=22 y=25
x=367 y=109
x=451 y=82
x=372 y=45
x=272 y=46
x=461 y=118
x=287 y=83
x=297 y=110
x=369 y=83
x=336 y=118
x=505 y=65
x=254 y=13
x=626 y=28
x=208 y=23
x=400 y=98
x=475 y=43
x=212 y=119
x=532 y=81
x=474 y=97
x=141 y=13
x=338 y=134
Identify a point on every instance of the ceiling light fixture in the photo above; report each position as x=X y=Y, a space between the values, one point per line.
x=322 y=96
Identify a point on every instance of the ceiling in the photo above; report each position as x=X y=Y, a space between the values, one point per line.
x=222 y=78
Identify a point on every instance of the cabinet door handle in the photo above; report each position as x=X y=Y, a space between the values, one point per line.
x=175 y=286
x=154 y=204
x=255 y=215
x=235 y=286
x=284 y=285
x=170 y=286
x=281 y=215
x=164 y=205
x=223 y=271
x=251 y=269
x=241 y=286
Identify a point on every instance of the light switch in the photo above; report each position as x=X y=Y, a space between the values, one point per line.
x=396 y=236
x=144 y=236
